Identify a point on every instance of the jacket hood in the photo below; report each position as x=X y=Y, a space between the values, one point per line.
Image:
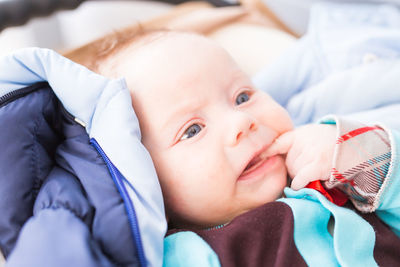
x=103 y=107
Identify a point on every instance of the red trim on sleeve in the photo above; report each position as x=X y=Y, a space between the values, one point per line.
x=334 y=195
x=356 y=132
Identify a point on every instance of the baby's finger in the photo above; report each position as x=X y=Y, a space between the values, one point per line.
x=306 y=175
x=281 y=145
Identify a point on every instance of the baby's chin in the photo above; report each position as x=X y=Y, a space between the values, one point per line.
x=180 y=222
x=230 y=217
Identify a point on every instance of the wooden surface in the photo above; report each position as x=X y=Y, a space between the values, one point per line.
x=200 y=17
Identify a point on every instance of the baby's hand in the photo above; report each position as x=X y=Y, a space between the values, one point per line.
x=309 y=150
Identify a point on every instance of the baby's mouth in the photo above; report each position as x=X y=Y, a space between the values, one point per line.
x=254 y=164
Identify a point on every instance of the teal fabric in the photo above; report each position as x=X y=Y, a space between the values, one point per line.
x=353 y=239
x=188 y=249
x=310 y=232
x=389 y=208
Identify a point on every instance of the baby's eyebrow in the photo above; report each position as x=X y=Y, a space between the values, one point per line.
x=194 y=104
x=183 y=110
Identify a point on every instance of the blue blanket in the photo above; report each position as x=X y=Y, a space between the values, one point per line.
x=347 y=64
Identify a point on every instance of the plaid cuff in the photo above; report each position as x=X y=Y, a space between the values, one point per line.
x=361 y=162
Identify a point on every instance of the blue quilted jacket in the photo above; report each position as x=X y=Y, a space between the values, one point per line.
x=75 y=189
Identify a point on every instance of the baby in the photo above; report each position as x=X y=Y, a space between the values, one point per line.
x=212 y=135
x=223 y=151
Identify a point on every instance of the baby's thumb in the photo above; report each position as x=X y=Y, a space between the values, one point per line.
x=281 y=145
x=304 y=177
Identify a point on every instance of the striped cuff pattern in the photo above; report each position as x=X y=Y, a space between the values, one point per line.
x=361 y=162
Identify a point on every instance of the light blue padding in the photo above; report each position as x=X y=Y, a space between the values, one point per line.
x=188 y=249
x=353 y=238
x=105 y=107
x=389 y=208
x=327 y=65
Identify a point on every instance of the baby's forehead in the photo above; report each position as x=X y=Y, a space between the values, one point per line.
x=161 y=39
x=159 y=51
x=176 y=68
x=177 y=59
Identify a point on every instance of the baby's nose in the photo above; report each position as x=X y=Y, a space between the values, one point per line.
x=241 y=126
x=244 y=132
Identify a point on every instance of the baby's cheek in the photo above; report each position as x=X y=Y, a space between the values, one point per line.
x=285 y=173
x=274 y=116
x=283 y=120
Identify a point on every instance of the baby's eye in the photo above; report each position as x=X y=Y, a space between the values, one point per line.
x=191 y=131
x=242 y=97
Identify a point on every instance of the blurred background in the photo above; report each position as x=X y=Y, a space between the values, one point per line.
x=66 y=29
x=71 y=28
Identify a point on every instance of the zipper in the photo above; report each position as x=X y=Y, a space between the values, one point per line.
x=217 y=227
x=118 y=180
x=115 y=174
x=13 y=95
x=69 y=116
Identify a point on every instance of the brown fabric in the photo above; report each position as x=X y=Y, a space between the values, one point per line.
x=387 y=244
x=264 y=237
x=260 y=237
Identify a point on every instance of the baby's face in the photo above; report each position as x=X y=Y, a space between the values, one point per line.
x=205 y=126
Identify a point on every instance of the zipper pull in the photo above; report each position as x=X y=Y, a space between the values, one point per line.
x=80 y=122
